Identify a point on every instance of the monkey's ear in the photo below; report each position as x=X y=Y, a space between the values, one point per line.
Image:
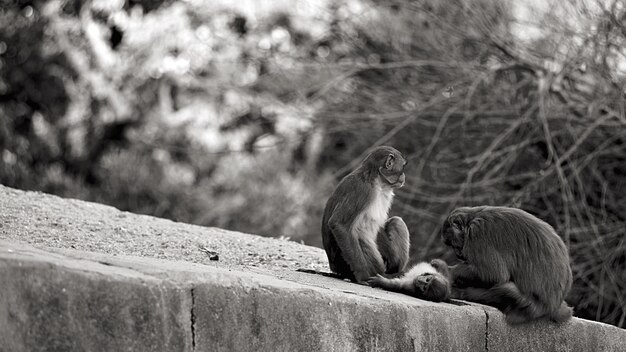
x=390 y=161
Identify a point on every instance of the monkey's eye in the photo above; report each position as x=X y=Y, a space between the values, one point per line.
x=390 y=161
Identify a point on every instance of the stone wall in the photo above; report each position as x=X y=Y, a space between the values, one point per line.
x=78 y=276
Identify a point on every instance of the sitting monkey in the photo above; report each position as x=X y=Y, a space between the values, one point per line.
x=359 y=239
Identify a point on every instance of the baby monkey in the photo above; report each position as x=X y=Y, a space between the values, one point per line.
x=424 y=281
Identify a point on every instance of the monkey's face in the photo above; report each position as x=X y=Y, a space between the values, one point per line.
x=390 y=164
x=434 y=287
x=454 y=229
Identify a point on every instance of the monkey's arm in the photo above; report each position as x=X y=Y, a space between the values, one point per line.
x=465 y=275
x=487 y=269
x=400 y=284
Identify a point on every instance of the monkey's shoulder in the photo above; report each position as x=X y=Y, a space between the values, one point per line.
x=352 y=191
x=348 y=199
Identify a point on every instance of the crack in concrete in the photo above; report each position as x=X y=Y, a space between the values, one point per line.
x=193 y=320
x=486 y=330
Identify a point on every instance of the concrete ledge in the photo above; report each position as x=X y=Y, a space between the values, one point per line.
x=576 y=335
x=57 y=298
x=51 y=302
x=274 y=318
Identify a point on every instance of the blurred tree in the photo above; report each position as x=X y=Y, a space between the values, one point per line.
x=137 y=104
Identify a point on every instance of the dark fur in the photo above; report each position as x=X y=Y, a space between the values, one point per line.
x=511 y=260
x=349 y=255
x=433 y=286
x=393 y=244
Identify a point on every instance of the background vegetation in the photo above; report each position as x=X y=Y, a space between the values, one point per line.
x=244 y=114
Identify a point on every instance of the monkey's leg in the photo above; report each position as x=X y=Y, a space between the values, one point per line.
x=562 y=314
x=507 y=298
x=363 y=258
x=372 y=256
x=502 y=296
x=393 y=243
x=336 y=261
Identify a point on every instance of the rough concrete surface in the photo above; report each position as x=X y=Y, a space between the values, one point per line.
x=575 y=335
x=47 y=221
x=79 y=276
x=50 y=303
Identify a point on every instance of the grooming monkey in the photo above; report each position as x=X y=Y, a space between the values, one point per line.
x=510 y=260
x=359 y=239
x=424 y=280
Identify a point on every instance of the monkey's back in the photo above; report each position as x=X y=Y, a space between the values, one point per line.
x=537 y=258
x=347 y=200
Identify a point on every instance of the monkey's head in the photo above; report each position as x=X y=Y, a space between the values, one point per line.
x=389 y=163
x=433 y=286
x=457 y=226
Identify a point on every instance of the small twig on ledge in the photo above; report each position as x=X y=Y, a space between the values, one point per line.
x=213 y=255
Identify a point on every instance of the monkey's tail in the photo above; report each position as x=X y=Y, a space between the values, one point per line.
x=562 y=314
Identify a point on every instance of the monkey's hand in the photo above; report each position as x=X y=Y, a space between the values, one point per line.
x=457 y=293
x=376 y=281
x=439 y=264
x=362 y=277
